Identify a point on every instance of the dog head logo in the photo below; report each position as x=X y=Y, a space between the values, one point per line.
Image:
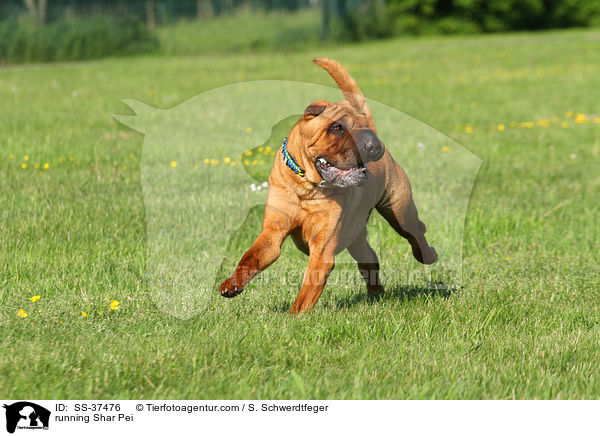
x=26 y=415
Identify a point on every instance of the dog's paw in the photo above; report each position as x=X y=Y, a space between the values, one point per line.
x=230 y=290
x=427 y=256
x=430 y=257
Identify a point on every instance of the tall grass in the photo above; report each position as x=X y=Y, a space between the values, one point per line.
x=244 y=31
x=78 y=39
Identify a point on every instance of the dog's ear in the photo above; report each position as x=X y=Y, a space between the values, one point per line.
x=314 y=110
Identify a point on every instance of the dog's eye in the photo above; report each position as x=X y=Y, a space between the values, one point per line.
x=336 y=128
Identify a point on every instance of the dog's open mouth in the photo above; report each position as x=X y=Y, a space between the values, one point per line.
x=342 y=178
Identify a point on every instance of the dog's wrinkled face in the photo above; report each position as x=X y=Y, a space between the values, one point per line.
x=341 y=142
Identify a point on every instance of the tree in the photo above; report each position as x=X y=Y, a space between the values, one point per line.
x=325 y=13
x=150 y=14
x=204 y=8
x=37 y=9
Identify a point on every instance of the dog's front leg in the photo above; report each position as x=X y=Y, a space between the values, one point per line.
x=320 y=264
x=264 y=252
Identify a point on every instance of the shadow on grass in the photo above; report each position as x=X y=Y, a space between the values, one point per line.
x=402 y=293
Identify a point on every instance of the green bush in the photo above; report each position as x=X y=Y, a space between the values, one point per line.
x=22 y=41
x=384 y=18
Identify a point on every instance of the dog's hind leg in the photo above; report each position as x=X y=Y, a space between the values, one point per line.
x=368 y=264
x=398 y=208
x=265 y=250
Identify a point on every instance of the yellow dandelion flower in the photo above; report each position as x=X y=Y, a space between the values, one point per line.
x=564 y=124
x=173 y=163
x=35 y=298
x=23 y=165
x=71 y=158
x=46 y=166
x=84 y=315
x=267 y=149
x=249 y=130
x=501 y=127
x=581 y=119
x=206 y=161
x=246 y=163
x=507 y=258
x=26 y=158
x=468 y=129
x=273 y=153
x=446 y=149
x=60 y=159
x=513 y=124
x=569 y=114
x=227 y=160
x=248 y=153
x=214 y=161
x=261 y=149
x=196 y=167
x=21 y=313
x=10 y=156
x=114 y=305
x=254 y=163
x=597 y=120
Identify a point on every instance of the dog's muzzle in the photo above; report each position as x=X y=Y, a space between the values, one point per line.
x=369 y=145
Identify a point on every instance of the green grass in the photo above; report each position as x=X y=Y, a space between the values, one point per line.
x=527 y=327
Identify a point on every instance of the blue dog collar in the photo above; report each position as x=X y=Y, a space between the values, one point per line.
x=289 y=160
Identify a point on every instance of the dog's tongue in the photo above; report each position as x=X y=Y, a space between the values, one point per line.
x=342 y=172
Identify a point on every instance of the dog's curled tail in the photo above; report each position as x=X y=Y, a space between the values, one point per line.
x=347 y=85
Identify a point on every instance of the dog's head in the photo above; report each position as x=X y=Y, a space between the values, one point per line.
x=339 y=138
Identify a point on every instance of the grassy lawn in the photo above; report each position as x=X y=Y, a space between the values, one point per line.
x=525 y=323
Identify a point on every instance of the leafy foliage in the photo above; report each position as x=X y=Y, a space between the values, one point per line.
x=381 y=18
